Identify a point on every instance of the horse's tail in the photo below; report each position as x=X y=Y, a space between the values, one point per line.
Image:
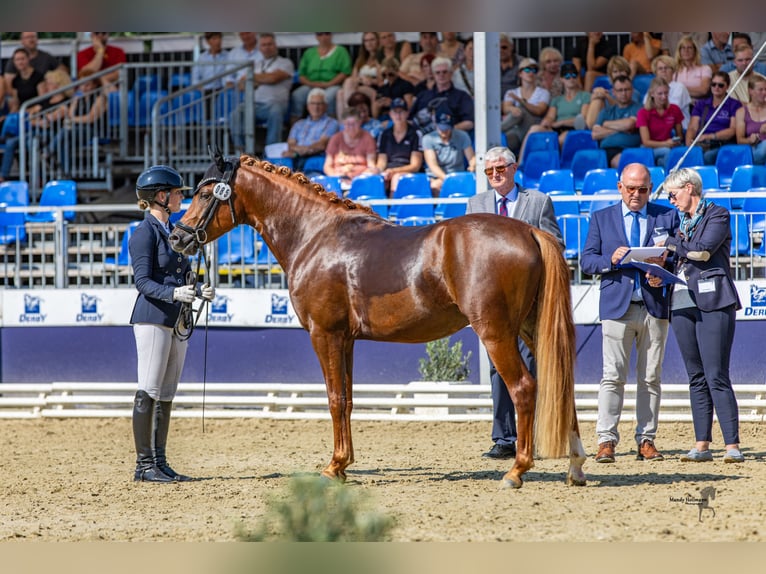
x=554 y=351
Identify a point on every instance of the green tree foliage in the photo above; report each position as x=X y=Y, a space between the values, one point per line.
x=445 y=362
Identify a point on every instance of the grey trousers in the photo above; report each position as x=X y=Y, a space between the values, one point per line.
x=618 y=336
x=161 y=358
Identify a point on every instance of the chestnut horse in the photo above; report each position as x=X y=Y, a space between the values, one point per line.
x=353 y=275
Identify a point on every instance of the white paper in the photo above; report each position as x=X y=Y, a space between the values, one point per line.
x=641 y=254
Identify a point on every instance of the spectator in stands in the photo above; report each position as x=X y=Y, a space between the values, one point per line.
x=273 y=80
x=717 y=51
x=659 y=122
x=351 y=152
x=591 y=55
x=600 y=96
x=549 y=77
x=27 y=83
x=324 y=66
x=390 y=48
x=721 y=130
x=689 y=69
x=509 y=65
x=362 y=104
x=640 y=52
x=665 y=67
x=462 y=77
x=100 y=56
x=85 y=109
x=743 y=56
x=750 y=119
x=524 y=106
x=446 y=150
x=246 y=51
x=365 y=74
x=411 y=69
x=670 y=40
x=40 y=60
x=615 y=127
x=631 y=311
x=399 y=147
x=704 y=312
x=211 y=62
x=451 y=47
x=392 y=87
x=564 y=109
x=309 y=136
x=458 y=103
x=507 y=199
x=739 y=39
x=159 y=319
x=429 y=81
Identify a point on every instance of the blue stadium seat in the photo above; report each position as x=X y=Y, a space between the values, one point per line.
x=564 y=207
x=286 y=161
x=114 y=107
x=602 y=82
x=463 y=182
x=744 y=178
x=55 y=193
x=449 y=210
x=314 y=164
x=755 y=208
x=740 y=235
x=709 y=175
x=540 y=141
x=146 y=103
x=693 y=159
x=730 y=157
x=13 y=194
x=641 y=84
x=574 y=230
x=370 y=185
x=424 y=211
x=413 y=184
x=722 y=201
x=187 y=109
x=237 y=246
x=145 y=83
x=585 y=160
x=180 y=80
x=330 y=182
x=642 y=155
x=555 y=180
x=380 y=209
x=225 y=103
x=598 y=204
x=123 y=255
x=536 y=163
x=597 y=180
x=574 y=141
x=658 y=175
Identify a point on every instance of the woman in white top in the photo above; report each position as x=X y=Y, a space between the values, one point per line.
x=665 y=67
x=365 y=75
x=524 y=106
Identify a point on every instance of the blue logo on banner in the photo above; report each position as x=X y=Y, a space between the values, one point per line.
x=278 y=313
x=89 y=309
x=757 y=302
x=219 y=310
x=32 y=312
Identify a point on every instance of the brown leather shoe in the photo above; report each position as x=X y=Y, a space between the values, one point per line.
x=647 y=451
x=605 y=451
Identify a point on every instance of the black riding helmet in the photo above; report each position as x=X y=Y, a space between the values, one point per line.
x=158 y=178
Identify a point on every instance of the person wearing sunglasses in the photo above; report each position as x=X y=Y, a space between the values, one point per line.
x=703 y=312
x=508 y=199
x=632 y=312
x=722 y=128
x=750 y=119
x=659 y=122
x=524 y=106
x=392 y=87
x=564 y=109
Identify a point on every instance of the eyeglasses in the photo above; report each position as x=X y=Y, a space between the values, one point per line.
x=529 y=69
x=316 y=103
x=672 y=194
x=569 y=76
x=440 y=72
x=717 y=84
x=622 y=90
x=497 y=169
x=642 y=189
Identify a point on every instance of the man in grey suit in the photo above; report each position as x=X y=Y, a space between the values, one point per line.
x=510 y=200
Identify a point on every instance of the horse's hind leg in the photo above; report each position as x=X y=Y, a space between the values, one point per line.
x=333 y=352
x=576 y=476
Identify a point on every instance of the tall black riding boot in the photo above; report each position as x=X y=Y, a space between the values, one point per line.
x=143 y=421
x=161 y=428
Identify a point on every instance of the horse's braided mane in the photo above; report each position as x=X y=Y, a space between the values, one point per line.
x=301 y=178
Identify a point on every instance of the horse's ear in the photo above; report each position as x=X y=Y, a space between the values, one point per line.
x=217 y=156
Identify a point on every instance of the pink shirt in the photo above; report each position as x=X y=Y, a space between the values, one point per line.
x=355 y=157
x=692 y=77
x=660 y=126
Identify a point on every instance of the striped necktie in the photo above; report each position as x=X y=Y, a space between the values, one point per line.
x=502 y=207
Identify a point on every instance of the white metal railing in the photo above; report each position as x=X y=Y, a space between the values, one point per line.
x=413 y=401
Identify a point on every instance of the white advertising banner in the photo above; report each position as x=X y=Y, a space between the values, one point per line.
x=249 y=307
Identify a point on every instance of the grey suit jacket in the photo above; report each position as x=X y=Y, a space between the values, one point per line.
x=532 y=206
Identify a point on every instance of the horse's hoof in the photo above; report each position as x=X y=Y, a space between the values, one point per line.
x=572 y=481
x=511 y=483
x=339 y=477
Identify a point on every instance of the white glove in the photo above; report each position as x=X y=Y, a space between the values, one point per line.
x=184 y=294
x=207 y=292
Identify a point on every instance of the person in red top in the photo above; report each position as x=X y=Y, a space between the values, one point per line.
x=659 y=121
x=100 y=56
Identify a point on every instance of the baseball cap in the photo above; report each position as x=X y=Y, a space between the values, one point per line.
x=568 y=68
x=443 y=121
x=528 y=63
x=398 y=103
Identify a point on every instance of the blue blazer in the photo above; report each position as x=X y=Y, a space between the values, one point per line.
x=605 y=234
x=713 y=234
x=158 y=270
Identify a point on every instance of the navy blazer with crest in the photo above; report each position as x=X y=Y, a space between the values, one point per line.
x=605 y=234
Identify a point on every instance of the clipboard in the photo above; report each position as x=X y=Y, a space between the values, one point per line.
x=641 y=254
x=666 y=276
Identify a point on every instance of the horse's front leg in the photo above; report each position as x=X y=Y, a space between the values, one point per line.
x=333 y=351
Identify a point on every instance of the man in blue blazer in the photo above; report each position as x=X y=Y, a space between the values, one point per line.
x=536 y=208
x=631 y=311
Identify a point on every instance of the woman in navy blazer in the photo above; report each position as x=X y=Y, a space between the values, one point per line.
x=703 y=313
x=160 y=276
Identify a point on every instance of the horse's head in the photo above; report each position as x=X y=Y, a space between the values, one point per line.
x=213 y=209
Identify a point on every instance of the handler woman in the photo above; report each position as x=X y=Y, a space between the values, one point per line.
x=160 y=276
x=703 y=312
